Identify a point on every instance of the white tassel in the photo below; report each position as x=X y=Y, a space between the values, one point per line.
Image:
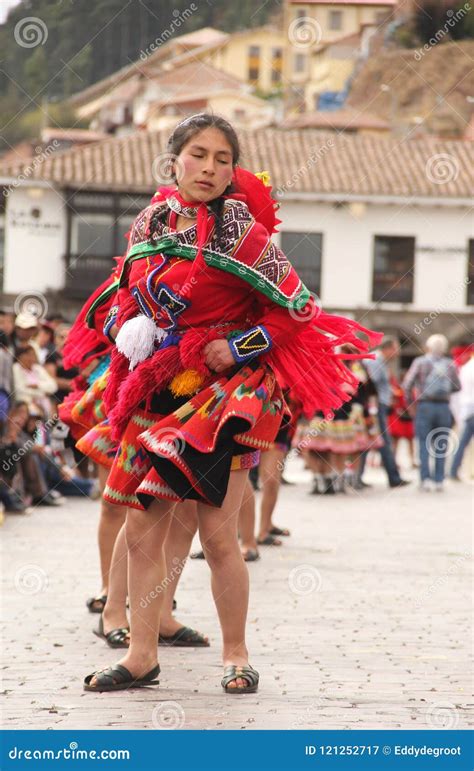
x=136 y=339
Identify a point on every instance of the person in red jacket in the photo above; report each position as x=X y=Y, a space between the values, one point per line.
x=211 y=322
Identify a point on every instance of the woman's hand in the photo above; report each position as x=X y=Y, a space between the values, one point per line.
x=218 y=355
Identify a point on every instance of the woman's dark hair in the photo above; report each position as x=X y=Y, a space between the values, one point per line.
x=182 y=134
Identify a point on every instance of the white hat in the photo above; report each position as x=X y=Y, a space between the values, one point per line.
x=26 y=321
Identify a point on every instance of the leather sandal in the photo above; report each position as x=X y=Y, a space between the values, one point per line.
x=233 y=672
x=115 y=638
x=118 y=678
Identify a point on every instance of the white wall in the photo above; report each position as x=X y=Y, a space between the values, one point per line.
x=347 y=259
x=34 y=245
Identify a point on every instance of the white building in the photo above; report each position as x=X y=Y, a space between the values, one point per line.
x=379 y=228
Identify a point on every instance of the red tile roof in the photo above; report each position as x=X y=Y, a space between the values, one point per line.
x=299 y=161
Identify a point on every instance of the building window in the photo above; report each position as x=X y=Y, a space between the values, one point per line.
x=394 y=262
x=470 y=273
x=254 y=63
x=277 y=64
x=304 y=250
x=335 y=20
x=300 y=17
x=299 y=63
x=92 y=234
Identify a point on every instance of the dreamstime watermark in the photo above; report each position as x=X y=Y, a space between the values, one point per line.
x=25 y=448
x=311 y=161
x=167 y=168
x=176 y=570
x=31 y=302
x=167 y=442
x=304 y=443
x=42 y=155
x=442 y=714
x=309 y=311
x=304 y=32
x=179 y=18
x=304 y=580
x=454 y=18
x=432 y=315
x=30 y=32
x=442 y=168
x=442 y=580
x=31 y=579
x=441 y=442
x=168 y=716
x=309 y=716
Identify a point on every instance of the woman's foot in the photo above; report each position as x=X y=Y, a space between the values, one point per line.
x=172 y=632
x=240 y=683
x=114 y=619
x=137 y=667
x=268 y=540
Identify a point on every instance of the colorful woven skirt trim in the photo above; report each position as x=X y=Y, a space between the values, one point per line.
x=189 y=452
x=89 y=414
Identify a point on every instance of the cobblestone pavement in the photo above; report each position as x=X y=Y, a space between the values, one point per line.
x=361 y=620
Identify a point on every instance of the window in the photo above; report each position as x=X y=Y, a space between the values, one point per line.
x=299 y=63
x=277 y=64
x=394 y=262
x=254 y=63
x=300 y=17
x=335 y=20
x=92 y=233
x=470 y=273
x=304 y=250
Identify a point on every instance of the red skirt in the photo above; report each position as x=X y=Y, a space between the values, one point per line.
x=185 y=447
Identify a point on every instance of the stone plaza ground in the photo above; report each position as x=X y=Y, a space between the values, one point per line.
x=360 y=620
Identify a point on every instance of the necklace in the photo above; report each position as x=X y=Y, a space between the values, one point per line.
x=175 y=205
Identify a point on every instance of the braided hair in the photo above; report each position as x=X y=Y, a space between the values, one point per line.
x=182 y=134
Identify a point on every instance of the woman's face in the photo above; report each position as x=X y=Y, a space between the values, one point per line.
x=204 y=168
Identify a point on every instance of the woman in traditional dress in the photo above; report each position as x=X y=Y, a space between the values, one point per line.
x=211 y=321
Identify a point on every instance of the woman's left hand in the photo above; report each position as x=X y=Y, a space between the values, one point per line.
x=218 y=355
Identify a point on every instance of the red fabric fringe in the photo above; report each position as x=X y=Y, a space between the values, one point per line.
x=313 y=371
x=81 y=339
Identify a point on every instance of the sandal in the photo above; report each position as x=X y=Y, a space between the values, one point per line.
x=269 y=540
x=232 y=672
x=116 y=638
x=250 y=555
x=96 y=604
x=279 y=531
x=118 y=678
x=197 y=555
x=185 y=638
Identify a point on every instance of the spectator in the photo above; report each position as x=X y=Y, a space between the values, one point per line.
x=26 y=329
x=7 y=325
x=45 y=341
x=31 y=383
x=466 y=415
x=55 y=367
x=6 y=376
x=378 y=370
x=428 y=386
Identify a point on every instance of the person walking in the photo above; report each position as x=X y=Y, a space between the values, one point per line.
x=379 y=373
x=428 y=386
x=466 y=415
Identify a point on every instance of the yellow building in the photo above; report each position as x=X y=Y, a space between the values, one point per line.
x=326 y=38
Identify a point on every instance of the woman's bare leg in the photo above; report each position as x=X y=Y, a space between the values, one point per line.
x=115 y=611
x=229 y=574
x=111 y=520
x=247 y=520
x=145 y=533
x=271 y=465
x=177 y=547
